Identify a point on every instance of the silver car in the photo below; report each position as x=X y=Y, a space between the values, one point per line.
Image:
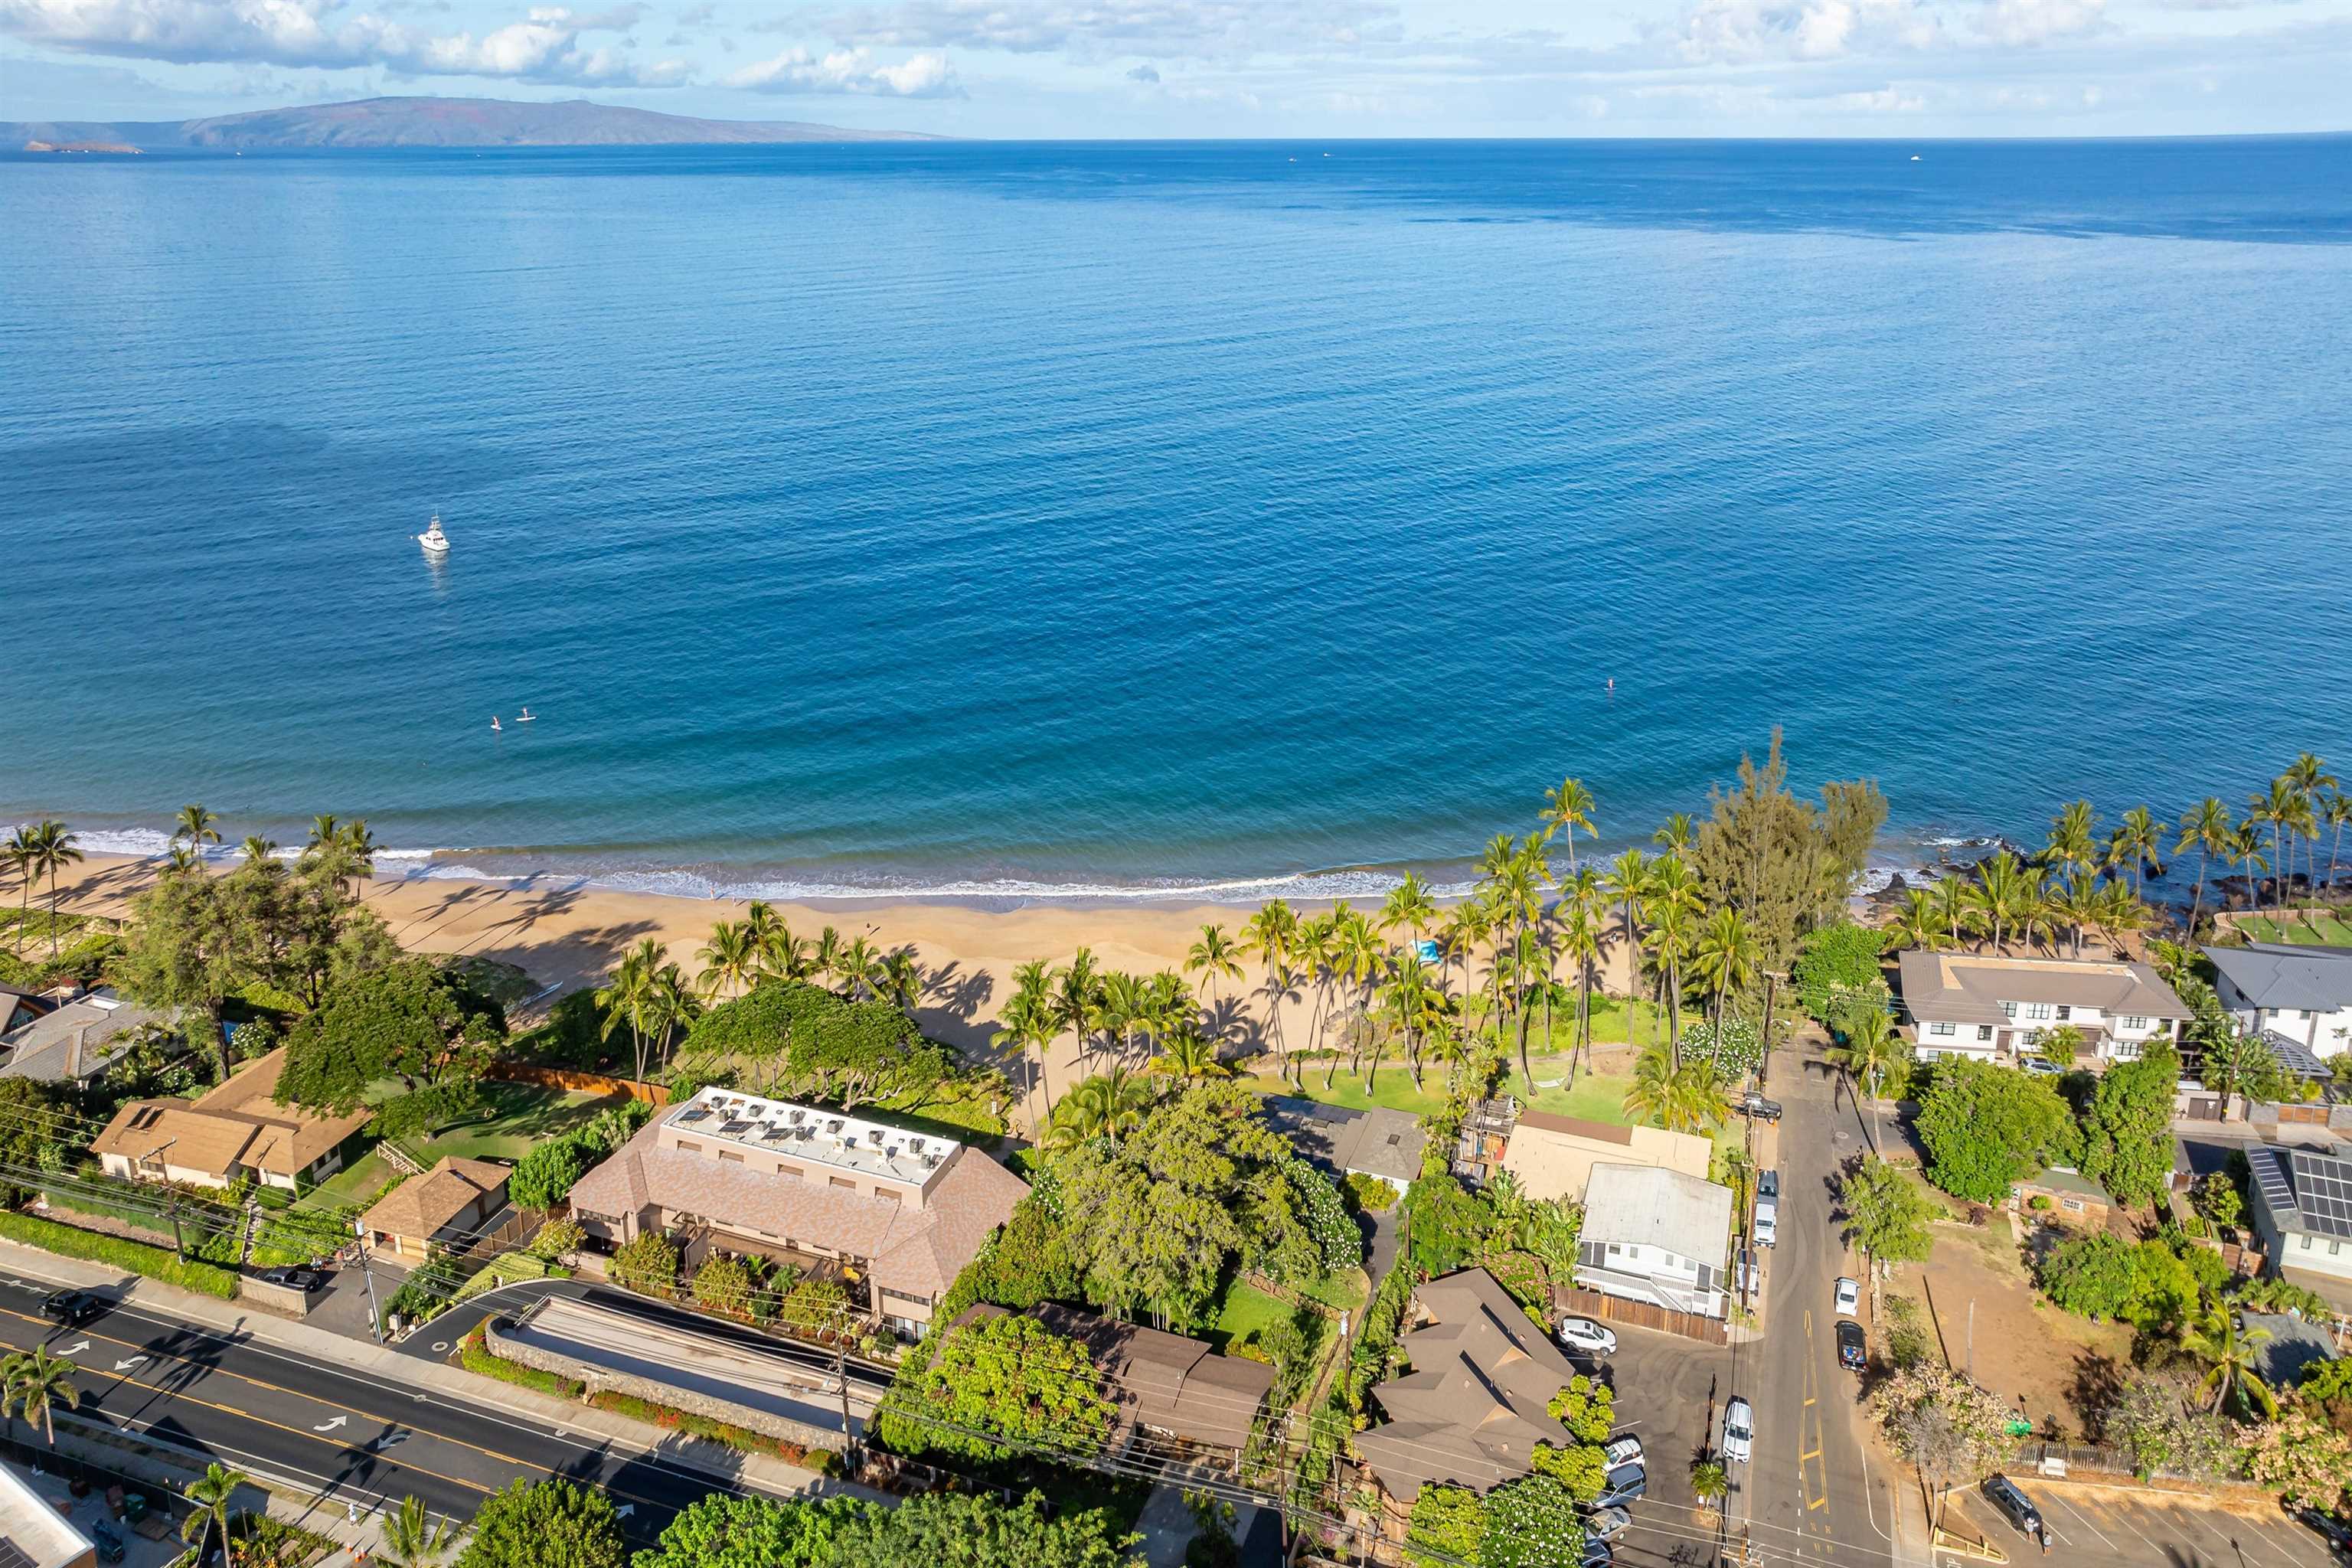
x=1738 y=1431
x=1607 y=1523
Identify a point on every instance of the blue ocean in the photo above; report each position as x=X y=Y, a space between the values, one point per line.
x=1113 y=520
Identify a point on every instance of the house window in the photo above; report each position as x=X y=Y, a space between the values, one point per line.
x=1984 y=1034
x=1940 y=1029
x=2124 y=1050
x=2008 y=1010
x=2065 y=1011
x=2138 y=1021
x=1615 y=1250
x=2305 y=1242
x=2037 y=1012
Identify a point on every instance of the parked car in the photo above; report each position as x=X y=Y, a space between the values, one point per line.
x=1623 y=1484
x=1767 y=1224
x=1852 y=1354
x=1738 y=1430
x=2328 y=1528
x=297 y=1278
x=2043 y=1068
x=1598 y=1553
x=1584 y=1334
x=1849 y=1297
x=1607 y=1523
x=1768 y=1186
x=1757 y=1107
x=1747 y=1274
x=72 y=1307
x=2005 y=1495
x=1625 y=1451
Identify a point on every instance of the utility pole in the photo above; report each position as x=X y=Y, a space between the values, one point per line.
x=841 y=1377
x=1972 y=1338
x=375 y=1314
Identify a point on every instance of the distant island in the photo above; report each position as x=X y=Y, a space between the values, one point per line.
x=426 y=123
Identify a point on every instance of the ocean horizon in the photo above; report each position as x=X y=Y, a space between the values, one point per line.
x=1195 y=520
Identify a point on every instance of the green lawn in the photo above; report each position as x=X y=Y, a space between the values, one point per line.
x=1597 y=1097
x=354 y=1184
x=513 y=1119
x=2320 y=930
x=1246 y=1312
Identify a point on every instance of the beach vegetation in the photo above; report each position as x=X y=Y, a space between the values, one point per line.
x=797 y=1039
x=1838 y=972
x=411 y=1019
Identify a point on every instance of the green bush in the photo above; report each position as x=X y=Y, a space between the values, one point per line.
x=542 y=1177
x=154 y=1262
x=1371 y=1194
x=742 y=1439
x=473 y=1355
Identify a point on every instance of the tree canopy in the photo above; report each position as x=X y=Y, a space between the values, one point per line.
x=545 y=1524
x=1885 y=1214
x=411 y=1019
x=1836 y=965
x=850 y=1053
x=998 y=1377
x=1786 y=866
x=1987 y=1128
x=2128 y=1129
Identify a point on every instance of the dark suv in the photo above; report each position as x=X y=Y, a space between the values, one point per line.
x=2004 y=1495
x=72 y=1307
x=1757 y=1107
x=1852 y=1352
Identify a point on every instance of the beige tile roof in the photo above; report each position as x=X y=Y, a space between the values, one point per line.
x=235 y=1122
x=1472 y=1410
x=420 y=1207
x=918 y=1251
x=1969 y=987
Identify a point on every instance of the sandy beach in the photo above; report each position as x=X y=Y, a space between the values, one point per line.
x=565 y=936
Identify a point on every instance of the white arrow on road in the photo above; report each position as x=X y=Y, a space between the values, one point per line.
x=77 y=1348
x=625 y=1510
x=331 y=1425
x=127 y=1365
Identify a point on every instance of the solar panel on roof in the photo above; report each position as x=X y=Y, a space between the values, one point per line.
x=12 y=1556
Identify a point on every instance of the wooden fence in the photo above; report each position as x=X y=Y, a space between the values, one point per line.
x=1641 y=1315
x=565 y=1079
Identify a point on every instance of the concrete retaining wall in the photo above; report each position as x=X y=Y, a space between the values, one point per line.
x=599 y=1379
x=276 y=1298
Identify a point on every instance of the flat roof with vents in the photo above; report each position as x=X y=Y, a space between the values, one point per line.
x=815 y=1134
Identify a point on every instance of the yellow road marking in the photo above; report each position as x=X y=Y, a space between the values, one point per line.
x=168 y=1359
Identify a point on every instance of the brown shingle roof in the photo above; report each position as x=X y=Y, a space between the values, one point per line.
x=421 y=1207
x=918 y=1251
x=1472 y=1410
x=1969 y=987
x=233 y=1122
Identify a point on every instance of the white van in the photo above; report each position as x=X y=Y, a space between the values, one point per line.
x=1768 y=1221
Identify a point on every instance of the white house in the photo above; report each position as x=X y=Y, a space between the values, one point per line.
x=2303 y=1212
x=2303 y=993
x=1987 y=1006
x=1655 y=1235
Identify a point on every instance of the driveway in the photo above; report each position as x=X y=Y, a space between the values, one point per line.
x=2121 y=1527
x=1669 y=1391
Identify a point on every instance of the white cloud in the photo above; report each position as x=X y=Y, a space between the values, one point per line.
x=1719 y=32
x=1144 y=73
x=545 y=47
x=851 y=71
x=2019 y=23
x=1089 y=30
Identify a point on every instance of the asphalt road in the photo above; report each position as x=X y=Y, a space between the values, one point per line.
x=255 y=1405
x=1810 y=1493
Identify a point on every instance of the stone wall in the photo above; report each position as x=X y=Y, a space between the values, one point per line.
x=598 y=1378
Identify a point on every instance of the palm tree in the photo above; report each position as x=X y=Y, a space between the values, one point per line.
x=54 y=849
x=2336 y=811
x=1628 y=883
x=858 y=967
x=2275 y=810
x=2245 y=851
x=1409 y=999
x=670 y=1005
x=2120 y=912
x=899 y=980
x=211 y=1493
x=18 y=852
x=2003 y=889
x=1111 y=1104
x=1269 y=934
x=2204 y=828
x=1867 y=1055
x=196 y=827
x=1216 y=954
x=260 y=854
x=411 y=1539
x=2074 y=832
x=1569 y=806
x=1189 y=1054
x=622 y=998
x=33 y=1385
x=1118 y=1005
x=1955 y=907
x=2078 y=905
x=2214 y=1338
x=1358 y=957
x=1409 y=908
x=1709 y=1482
x=1075 y=990
x=1674 y=906
x=1028 y=1020
x=1579 y=944
x=730 y=959
x=780 y=955
x=824 y=958
x=1684 y=1097
x=2311 y=780
x=2138 y=843
x=1919 y=924
x=1675 y=835
x=1725 y=956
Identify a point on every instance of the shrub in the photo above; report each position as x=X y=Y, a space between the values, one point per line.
x=475 y=1355
x=1328 y=1221
x=556 y=1237
x=723 y=1284
x=1838 y=962
x=2039 y=1203
x=573 y=1037
x=649 y=1264
x=1371 y=1194
x=742 y=1439
x=137 y=1258
x=543 y=1177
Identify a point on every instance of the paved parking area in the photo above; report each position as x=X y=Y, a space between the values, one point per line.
x=2112 y=1525
x=1670 y=1391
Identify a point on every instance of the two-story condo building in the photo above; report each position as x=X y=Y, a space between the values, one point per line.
x=2301 y=994
x=1987 y=1007
x=2303 y=1212
x=893 y=1215
x=1655 y=1235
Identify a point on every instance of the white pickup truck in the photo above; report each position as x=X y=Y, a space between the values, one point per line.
x=1768 y=1221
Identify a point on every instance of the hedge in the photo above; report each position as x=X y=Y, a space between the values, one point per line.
x=474 y=1356
x=742 y=1439
x=154 y=1262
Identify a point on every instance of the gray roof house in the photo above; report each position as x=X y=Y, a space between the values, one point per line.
x=2298 y=992
x=1988 y=1005
x=1340 y=1142
x=1655 y=1235
x=2303 y=1212
x=76 y=1041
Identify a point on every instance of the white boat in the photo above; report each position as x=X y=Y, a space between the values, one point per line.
x=436 y=543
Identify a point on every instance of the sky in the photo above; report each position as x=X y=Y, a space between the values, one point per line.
x=1273 y=68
